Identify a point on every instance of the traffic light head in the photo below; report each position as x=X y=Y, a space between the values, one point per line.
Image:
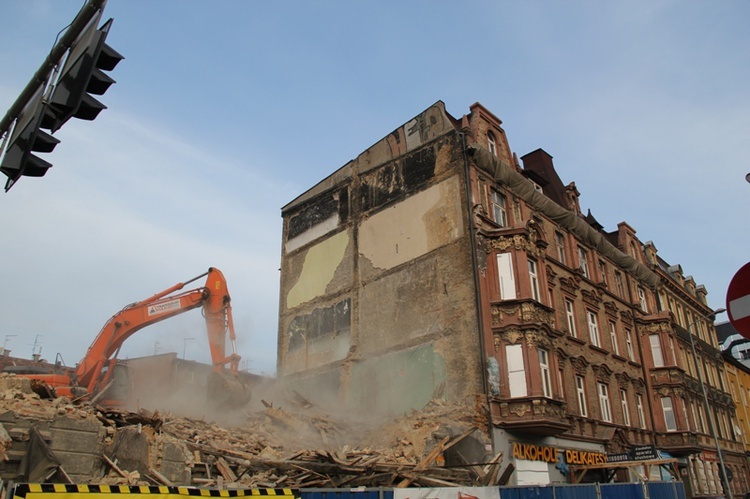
x=26 y=138
x=83 y=75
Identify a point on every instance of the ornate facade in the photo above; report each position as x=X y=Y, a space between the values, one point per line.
x=439 y=261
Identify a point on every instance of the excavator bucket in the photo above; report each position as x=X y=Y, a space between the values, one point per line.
x=227 y=390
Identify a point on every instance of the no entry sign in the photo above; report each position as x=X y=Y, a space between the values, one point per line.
x=738 y=301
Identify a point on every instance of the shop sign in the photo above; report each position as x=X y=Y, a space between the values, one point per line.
x=710 y=456
x=531 y=452
x=618 y=458
x=584 y=457
x=644 y=453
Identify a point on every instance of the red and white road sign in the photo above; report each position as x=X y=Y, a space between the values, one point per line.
x=738 y=301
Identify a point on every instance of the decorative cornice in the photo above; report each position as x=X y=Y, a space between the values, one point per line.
x=513 y=335
x=518 y=242
x=602 y=372
x=580 y=364
x=610 y=308
x=570 y=285
x=623 y=379
x=592 y=298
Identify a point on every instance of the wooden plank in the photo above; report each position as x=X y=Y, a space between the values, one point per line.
x=225 y=470
x=114 y=466
x=159 y=477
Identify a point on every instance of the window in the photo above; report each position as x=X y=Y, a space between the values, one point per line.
x=624 y=404
x=642 y=300
x=544 y=366
x=506 y=277
x=560 y=246
x=619 y=284
x=702 y=419
x=613 y=337
x=516 y=371
x=570 y=314
x=593 y=329
x=641 y=413
x=669 y=419
x=633 y=251
x=603 y=271
x=583 y=262
x=629 y=343
x=499 y=214
x=685 y=412
x=534 y=280
x=656 y=350
x=695 y=416
x=604 y=402
x=492 y=143
x=581 y=394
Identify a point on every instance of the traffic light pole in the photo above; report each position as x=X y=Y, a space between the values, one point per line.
x=42 y=75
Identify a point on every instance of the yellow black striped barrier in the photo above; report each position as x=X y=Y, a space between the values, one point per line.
x=70 y=491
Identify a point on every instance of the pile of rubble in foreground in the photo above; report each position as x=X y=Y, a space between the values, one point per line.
x=273 y=448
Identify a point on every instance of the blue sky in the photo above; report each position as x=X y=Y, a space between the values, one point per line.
x=225 y=111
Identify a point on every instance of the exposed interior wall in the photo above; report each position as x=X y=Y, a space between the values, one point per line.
x=380 y=308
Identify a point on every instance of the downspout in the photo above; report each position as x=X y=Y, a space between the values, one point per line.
x=475 y=267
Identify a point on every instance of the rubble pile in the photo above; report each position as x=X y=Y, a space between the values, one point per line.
x=289 y=447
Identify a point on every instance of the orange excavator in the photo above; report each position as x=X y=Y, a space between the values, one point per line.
x=94 y=374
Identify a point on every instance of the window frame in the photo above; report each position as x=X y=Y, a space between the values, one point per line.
x=604 y=404
x=641 y=411
x=613 y=337
x=593 y=323
x=656 y=348
x=492 y=143
x=514 y=359
x=499 y=208
x=581 y=396
x=534 y=280
x=629 y=344
x=560 y=246
x=544 y=369
x=583 y=262
x=506 y=277
x=624 y=405
x=670 y=410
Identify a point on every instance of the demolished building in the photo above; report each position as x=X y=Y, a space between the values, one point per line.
x=438 y=265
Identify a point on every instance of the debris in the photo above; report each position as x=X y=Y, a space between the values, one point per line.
x=291 y=447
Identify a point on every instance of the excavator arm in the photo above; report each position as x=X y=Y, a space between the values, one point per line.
x=94 y=372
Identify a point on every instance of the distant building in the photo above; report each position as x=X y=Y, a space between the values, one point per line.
x=434 y=265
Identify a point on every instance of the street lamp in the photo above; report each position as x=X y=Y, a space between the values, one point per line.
x=709 y=412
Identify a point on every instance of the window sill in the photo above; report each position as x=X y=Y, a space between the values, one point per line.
x=575 y=339
x=598 y=349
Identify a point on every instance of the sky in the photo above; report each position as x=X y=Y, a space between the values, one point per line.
x=224 y=112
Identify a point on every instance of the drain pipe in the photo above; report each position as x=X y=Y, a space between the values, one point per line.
x=475 y=267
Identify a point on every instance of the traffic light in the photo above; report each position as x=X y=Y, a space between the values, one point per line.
x=83 y=74
x=27 y=137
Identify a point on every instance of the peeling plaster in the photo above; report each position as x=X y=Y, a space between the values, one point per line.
x=421 y=223
x=321 y=262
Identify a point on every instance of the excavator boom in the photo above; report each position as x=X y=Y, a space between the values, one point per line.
x=94 y=372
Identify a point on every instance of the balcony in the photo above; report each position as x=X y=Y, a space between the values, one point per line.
x=535 y=415
x=679 y=443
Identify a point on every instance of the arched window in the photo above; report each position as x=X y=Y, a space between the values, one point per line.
x=491 y=143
